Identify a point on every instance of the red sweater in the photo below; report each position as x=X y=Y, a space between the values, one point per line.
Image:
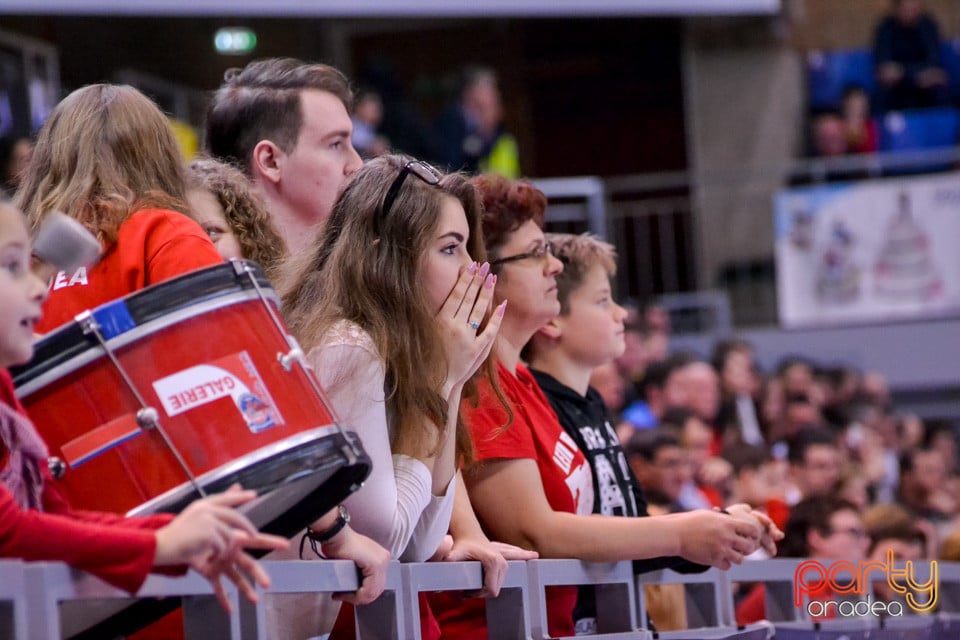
x=152 y=245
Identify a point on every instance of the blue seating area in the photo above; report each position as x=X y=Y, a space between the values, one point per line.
x=919 y=129
x=830 y=72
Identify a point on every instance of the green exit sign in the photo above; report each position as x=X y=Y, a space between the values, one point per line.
x=234 y=41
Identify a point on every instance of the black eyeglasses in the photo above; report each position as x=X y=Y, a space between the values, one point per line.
x=541 y=253
x=418 y=168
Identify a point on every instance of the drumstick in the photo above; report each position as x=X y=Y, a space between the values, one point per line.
x=65 y=243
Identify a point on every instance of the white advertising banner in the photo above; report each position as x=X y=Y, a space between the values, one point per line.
x=868 y=251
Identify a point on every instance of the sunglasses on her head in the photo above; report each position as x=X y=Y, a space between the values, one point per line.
x=418 y=168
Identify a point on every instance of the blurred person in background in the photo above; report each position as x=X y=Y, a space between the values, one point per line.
x=906 y=55
x=15 y=154
x=822 y=528
x=861 y=132
x=737 y=417
x=707 y=474
x=815 y=465
x=661 y=466
x=470 y=133
x=664 y=386
x=367 y=116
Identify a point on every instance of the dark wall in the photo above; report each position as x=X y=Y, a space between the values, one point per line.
x=595 y=96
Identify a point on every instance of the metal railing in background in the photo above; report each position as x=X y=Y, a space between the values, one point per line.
x=651 y=218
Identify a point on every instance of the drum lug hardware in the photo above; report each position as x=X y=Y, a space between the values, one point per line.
x=57 y=467
x=88 y=324
x=147 y=418
x=287 y=359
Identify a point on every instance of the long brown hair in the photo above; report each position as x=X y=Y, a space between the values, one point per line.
x=105 y=152
x=243 y=209
x=368 y=270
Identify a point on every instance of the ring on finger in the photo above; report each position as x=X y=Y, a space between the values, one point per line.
x=475 y=325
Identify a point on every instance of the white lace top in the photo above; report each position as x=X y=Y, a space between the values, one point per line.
x=395 y=506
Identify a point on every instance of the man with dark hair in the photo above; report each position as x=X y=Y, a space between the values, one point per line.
x=287 y=124
x=814 y=463
x=660 y=465
x=663 y=387
x=923 y=480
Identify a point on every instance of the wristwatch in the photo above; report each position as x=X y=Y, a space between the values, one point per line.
x=343 y=519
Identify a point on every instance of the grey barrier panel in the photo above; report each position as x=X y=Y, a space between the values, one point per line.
x=778 y=576
x=13 y=600
x=63 y=602
x=590 y=188
x=949 y=586
x=708 y=597
x=384 y=618
x=614 y=588
x=312 y=576
x=506 y=614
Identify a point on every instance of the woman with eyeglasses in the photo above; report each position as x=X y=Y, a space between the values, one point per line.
x=531 y=485
x=393 y=306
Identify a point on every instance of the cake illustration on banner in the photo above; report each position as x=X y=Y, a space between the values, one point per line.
x=905 y=270
x=838 y=275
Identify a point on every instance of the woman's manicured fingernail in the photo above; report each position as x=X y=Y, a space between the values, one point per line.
x=502 y=308
x=473 y=269
x=484 y=269
x=489 y=281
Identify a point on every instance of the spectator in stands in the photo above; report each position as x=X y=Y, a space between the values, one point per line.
x=874 y=385
x=891 y=529
x=923 y=485
x=124 y=180
x=703 y=390
x=860 y=130
x=633 y=362
x=664 y=386
x=15 y=154
x=797 y=375
x=906 y=54
x=397 y=253
x=755 y=481
x=798 y=413
x=737 y=418
x=287 y=124
x=531 y=484
x=611 y=386
x=829 y=136
x=814 y=464
x=822 y=528
x=225 y=204
x=587 y=333
x=706 y=474
x=470 y=133
x=367 y=116
x=661 y=466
